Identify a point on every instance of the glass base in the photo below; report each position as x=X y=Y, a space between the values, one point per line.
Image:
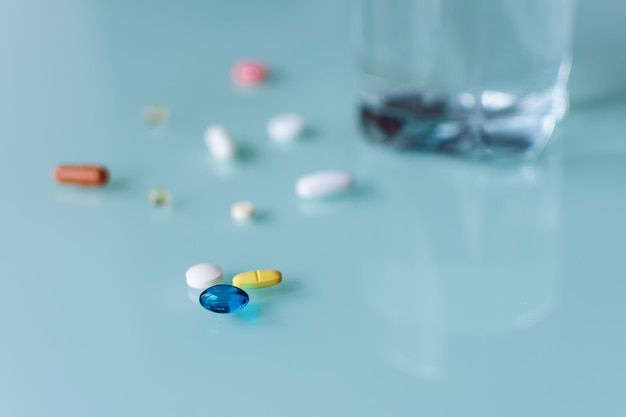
x=492 y=124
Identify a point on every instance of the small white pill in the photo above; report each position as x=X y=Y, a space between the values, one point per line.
x=323 y=184
x=242 y=210
x=219 y=142
x=203 y=276
x=285 y=127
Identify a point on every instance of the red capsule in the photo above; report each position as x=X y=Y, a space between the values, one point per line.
x=84 y=175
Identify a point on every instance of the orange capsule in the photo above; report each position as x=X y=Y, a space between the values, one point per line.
x=84 y=175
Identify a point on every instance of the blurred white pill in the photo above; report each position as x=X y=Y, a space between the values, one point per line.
x=219 y=142
x=242 y=210
x=285 y=127
x=203 y=276
x=323 y=184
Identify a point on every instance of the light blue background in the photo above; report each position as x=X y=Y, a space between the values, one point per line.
x=438 y=288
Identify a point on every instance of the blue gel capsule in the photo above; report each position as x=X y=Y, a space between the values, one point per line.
x=224 y=298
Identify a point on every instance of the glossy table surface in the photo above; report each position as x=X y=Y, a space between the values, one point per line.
x=437 y=288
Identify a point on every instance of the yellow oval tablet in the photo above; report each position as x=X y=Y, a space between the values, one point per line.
x=257 y=279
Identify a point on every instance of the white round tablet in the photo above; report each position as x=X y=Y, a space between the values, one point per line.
x=203 y=276
x=285 y=127
x=323 y=184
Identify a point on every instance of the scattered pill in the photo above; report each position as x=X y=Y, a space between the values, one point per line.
x=285 y=127
x=224 y=298
x=155 y=115
x=219 y=142
x=203 y=276
x=249 y=72
x=323 y=184
x=242 y=210
x=257 y=279
x=159 y=196
x=84 y=175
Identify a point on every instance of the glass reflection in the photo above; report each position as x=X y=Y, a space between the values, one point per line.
x=467 y=250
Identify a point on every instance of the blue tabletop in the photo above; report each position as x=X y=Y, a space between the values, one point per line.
x=438 y=287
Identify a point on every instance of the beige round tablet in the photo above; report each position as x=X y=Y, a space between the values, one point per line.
x=203 y=276
x=242 y=210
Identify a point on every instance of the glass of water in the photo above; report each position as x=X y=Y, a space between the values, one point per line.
x=477 y=77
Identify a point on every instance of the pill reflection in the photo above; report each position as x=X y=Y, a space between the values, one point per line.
x=194 y=294
x=78 y=197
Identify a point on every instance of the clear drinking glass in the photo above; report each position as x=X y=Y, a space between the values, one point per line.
x=479 y=77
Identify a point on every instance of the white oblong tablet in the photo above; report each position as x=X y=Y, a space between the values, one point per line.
x=285 y=127
x=323 y=184
x=203 y=276
x=219 y=142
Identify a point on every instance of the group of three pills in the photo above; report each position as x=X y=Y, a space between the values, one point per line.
x=226 y=298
